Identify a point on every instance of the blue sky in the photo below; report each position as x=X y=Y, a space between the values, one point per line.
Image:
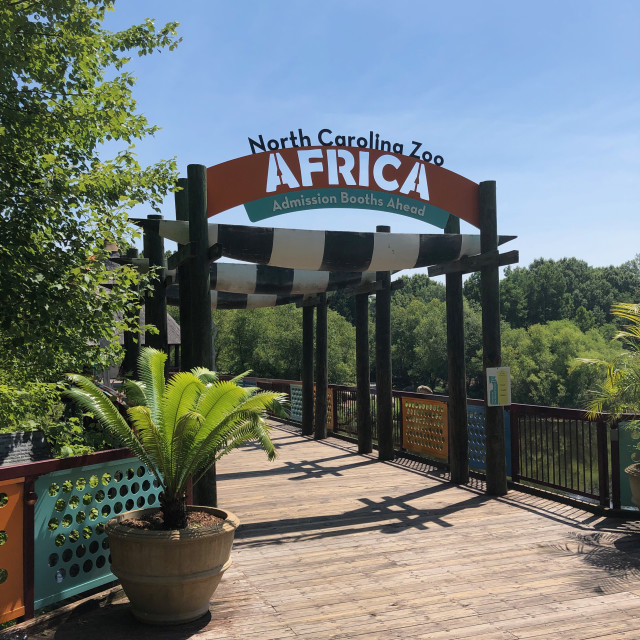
x=542 y=97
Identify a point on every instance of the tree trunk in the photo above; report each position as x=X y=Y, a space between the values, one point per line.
x=174 y=511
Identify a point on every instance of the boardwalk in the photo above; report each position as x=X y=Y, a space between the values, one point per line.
x=336 y=545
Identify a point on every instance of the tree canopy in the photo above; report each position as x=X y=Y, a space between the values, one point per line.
x=68 y=177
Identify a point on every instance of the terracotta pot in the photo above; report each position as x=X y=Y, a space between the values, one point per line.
x=169 y=576
x=633 y=472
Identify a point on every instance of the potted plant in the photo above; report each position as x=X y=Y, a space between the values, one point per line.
x=620 y=391
x=168 y=567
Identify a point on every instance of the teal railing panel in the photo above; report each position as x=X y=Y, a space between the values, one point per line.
x=628 y=447
x=71 y=549
x=296 y=402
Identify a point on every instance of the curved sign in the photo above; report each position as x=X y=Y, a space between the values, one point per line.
x=287 y=180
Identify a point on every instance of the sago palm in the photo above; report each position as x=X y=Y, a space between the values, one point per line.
x=620 y=391
x=181 y=428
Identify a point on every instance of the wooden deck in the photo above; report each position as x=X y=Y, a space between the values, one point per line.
x=336 y=545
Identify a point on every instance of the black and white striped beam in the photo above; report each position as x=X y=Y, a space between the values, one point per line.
x=330 y=250
x=227 y=300
x=259 y=278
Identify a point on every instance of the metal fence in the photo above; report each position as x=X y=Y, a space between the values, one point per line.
x=52 y=517
x=552 y=448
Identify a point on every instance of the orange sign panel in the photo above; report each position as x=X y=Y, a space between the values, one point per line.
x=390 y=179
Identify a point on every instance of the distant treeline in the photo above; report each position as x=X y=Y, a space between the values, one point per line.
x=554 y=311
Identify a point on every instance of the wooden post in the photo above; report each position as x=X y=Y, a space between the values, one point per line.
x=384 y=395
x=156 y=303
x=363 y=393
x=205 y=491
x=184 y=278
x=322 y=377
x=307 y=371
x=491 y=348
x=131 y=340
x=457 y=410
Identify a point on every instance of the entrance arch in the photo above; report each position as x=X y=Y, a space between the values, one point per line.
x=261 y=180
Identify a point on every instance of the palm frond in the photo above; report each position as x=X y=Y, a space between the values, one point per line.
x=134 y=392
x=151 y=367
x=92 y=399
x=206 y=376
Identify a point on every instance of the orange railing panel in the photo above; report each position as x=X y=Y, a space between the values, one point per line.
x=425 y=427
x=11 y=535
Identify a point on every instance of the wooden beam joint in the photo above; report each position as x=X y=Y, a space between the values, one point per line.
x=470 y=264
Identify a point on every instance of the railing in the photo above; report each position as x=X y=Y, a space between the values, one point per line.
x=52 y=517
x=562 y=449
x=52 y=513
x=556 y=449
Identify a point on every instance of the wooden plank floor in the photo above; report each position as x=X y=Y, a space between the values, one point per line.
x=336 y=545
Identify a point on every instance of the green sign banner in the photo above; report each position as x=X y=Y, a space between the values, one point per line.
x=345 y=198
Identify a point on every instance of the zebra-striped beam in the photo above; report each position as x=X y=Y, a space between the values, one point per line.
x=331 y=250
x=259 y=278
x=227 y=300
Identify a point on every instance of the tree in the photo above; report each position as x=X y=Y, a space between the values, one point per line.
x=620 y=391
x=541 y=359
x=269 y=342
x=180 y=429
x=65 y=99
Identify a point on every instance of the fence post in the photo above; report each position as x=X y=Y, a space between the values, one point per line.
x=307 y=371
x=334 y=407
x=384 y=394
x=322 y=378
x=28 y=545
x=363 y=397
x=515 y=442
x=603 y=463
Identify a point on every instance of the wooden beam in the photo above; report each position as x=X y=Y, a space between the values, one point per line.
x=156 y=301
x=307 y=371
x=214 y=252
x=384 y=394
x=131 y=340
x=205 y=491
x=457 y=407
x=470 y=264
x=185 y=251
x=372 y=287
x=322 y=371
x=363 y=393
x=491 y=348
x=184 y=276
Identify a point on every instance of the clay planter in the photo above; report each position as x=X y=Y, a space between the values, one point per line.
x=169 y=576
x=633 y=472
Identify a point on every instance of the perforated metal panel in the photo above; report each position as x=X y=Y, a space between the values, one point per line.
x=425 y=428
x=295 y=392
x=71 y=549
x=477 y=438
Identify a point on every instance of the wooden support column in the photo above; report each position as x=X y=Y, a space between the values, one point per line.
x=491 y=347
x=131 y=340
x=384 y=395
x=205 y=491
x=184 y=279
x=156 y=302
x=307 y=371
x=322 y=370
x=363 y=394
x=457 y=410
